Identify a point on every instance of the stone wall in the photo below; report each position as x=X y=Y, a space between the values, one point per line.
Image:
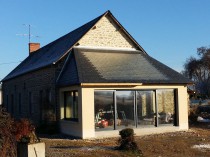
x=106 y=34
x=33 y=95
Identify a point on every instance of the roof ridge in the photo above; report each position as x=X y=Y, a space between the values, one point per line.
x=56 y=50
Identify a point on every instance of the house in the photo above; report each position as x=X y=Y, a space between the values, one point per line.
x=95 y=81
x=0 y=94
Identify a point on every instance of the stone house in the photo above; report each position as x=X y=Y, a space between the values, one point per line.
x=95 y=81
x=0 y=94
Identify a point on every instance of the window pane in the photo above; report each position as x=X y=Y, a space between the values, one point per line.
x=125 y=109
x=71 y=105
x=75 y=101
x=104 y=110
x=145 y=108
x=165 y=100
x=19 y=103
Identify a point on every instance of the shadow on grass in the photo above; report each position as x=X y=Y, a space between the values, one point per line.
x=85 y=147
x=58 y=136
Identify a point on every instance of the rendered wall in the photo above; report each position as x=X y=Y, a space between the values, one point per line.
x=86 y=124
x=66 y=126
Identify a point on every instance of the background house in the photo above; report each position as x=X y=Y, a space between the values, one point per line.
x=94 y=81
x=0 y=94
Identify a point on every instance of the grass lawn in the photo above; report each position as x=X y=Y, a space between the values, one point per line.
x=192 y=143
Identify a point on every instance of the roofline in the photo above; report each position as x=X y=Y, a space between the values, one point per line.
x=129 y=84
x=126 y=32
x=108 y=12
x=63 y=67
x=106 y=48
x=81 y=37
x=110 y=84
x=64 y=54
x=46 y=66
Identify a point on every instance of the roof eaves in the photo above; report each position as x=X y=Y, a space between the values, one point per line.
x=11 y=77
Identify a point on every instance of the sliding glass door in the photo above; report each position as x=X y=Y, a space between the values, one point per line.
x=145 y=108
x=166 y=106
x=104 y=110
x=125 y=109
x=134 y=108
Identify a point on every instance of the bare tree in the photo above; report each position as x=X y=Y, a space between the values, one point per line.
x=198 y=69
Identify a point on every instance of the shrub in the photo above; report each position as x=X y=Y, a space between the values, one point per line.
x=25 y=131
x=7 y=138
x=12 y=132
x=193 y=115
x=127 y=142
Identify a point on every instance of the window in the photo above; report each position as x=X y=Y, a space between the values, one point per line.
x=71 y=105
x=48 y=96
x=104 y=110
x=12 y=104
x=7 y=103
x=135 y=108
x=31 y=109
x=165 y=104
x=19 y=103
x=125 y=109
x=145 y=108
x=41 y=116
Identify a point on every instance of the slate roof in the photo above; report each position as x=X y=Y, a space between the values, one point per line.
x=52 y=52
x=98 y=66
x=117 y=66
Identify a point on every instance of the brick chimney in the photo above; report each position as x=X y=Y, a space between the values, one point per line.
x=33 y=47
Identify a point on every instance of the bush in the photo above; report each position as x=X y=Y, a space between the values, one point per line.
x=127 y=142
x=25 y=131
x=12 y=132
x=7 y=138
x=193 y=114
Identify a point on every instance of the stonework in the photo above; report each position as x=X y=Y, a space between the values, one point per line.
x=33 y=95
x=106 y=34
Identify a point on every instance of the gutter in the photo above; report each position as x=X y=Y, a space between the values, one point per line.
x=110 y=84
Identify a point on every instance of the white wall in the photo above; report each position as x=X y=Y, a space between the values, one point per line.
x=85 y=128
x=69 y=127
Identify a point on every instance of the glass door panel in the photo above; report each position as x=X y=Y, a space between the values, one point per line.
x=145 y=108
x=125 y=109
x=165 y=104
x=104 y=110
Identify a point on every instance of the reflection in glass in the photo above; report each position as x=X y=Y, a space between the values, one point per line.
x=145 y=108
x=165 y=100
x=133 y=108
x=125 y=109
x=71 y=105
x=104 y=110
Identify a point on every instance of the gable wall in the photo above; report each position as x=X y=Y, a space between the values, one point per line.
x=106 y=34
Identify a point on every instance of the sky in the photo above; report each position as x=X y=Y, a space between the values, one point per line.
x=168 y=30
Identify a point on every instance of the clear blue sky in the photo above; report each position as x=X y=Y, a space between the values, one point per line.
x=169 y=30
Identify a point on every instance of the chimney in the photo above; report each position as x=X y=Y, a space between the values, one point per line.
x=33 y=47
